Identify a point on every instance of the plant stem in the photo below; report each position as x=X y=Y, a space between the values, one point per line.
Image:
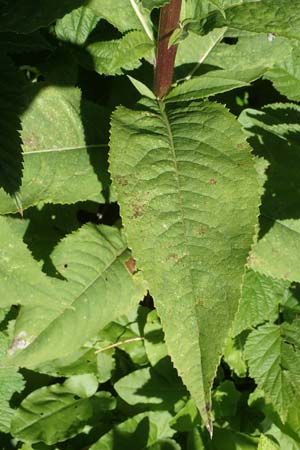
x=165 y=57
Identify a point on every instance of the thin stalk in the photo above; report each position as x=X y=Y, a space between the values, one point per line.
x=142 y=19
x=165 y=56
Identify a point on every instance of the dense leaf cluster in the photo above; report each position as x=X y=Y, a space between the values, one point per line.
x=151 y=289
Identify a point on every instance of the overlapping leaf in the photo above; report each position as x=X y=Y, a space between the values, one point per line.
x=119 y=13
x=212 y=83
x=180 y=183
x=97 y=289
x=76 y=26
x=10 y=382
x=113 y=57
x=140 y=432
x=59 y=150
x=56 y=413
x=282 y=17
x=261 y=296
x=274 y=134
x=274 y=362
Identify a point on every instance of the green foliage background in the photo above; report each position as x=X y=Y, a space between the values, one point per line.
x=150 y=290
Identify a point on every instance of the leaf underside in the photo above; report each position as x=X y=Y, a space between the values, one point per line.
x=189 y=199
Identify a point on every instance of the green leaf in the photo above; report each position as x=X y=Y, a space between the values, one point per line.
x=265 y=443
x=226 y=439
x=53 y=414
x=22 y=281
x=274 y=134
x=142 y=88
x=195 y=49
x=285 y=76
x=140 y=432
x=11 y=159
x=151 y=4
x=282 y=18
x=285 y=441
x=225 y=400
x=251 y=50
x=58 y=158
x=261 y=296
x=93 y=263
x=84 y=361
x=126 y=328
x=274 y=363
x=10 y=383
x=187 y=418
x=177 y=186
x=119 y=13
x=28 y=15
x=154 y=339
x=76 y=26
x=113 y=57
x=212 y=83
x=151 y=389
x=233 y=355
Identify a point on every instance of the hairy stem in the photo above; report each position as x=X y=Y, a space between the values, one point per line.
x=165 y=57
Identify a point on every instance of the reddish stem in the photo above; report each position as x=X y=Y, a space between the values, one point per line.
x=165 y=57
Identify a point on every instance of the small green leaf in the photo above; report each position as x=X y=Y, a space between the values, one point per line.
x=114 y=57
x=265 y=443
x=274 y=363
x=142 y=88
x=212 y=83
x=76 y=26
x=140 y=432
x=150 y=388
x=261 y=296
x=233 y=355
x=53 y=414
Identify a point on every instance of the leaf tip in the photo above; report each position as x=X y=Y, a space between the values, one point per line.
x=210 y=428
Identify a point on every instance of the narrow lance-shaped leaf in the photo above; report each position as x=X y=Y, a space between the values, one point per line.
x=189 y=200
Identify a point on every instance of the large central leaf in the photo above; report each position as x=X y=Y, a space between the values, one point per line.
x=189 y=196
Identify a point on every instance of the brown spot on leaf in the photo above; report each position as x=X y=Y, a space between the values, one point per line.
x=130 y=264
x=212 y=181
x=137 y=210
x=173 y=256
x=250 y=260
x=122 y=181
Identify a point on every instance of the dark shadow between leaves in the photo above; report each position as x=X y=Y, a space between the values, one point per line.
x=282 y=188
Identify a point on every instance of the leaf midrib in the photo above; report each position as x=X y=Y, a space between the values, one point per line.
x=166 y=122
